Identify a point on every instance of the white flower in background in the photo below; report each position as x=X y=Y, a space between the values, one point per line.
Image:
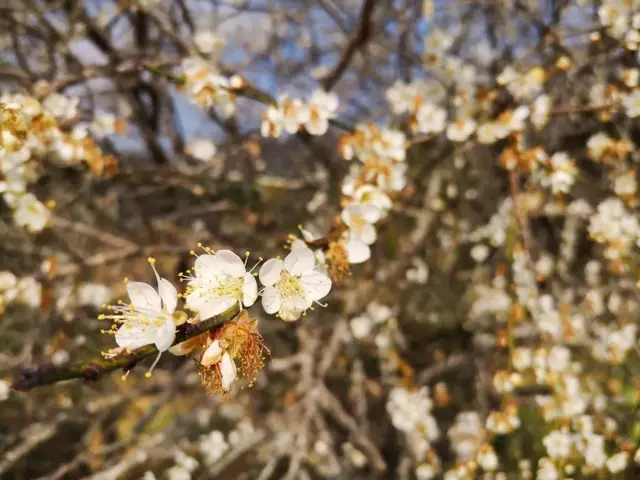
x=202 y=149
x=372 y=195
x=272 y=122
x=625 y=185
x=294 y=113
x=4 y=390
x=206 y=87
x=401 y=97
x=243 y=433
x=215 y=354
x=207 y=42
x=149 y=317
x=558 y=444
x=8 y=283
x=618 y=462
x=322 y=107
x=410 y=412
x=487 y=458
x=29 y=292
x=491 y=132
x=292 y=285
x=213 y=446
x=93 y=294
x=430 y=119
x=361 y=326
x=562 y=173
x=220 y=280
x=419 y=273
x=540 y=111
x=104 y=124
x=61 y=107
x=30 y=213
x=594 y=453
x=437 y=42
x=632 y=104
x=360 y=219
x=466 y=435
x=614 y=226
x=461 y=130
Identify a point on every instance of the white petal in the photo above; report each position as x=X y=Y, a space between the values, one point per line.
x=270 y=271
x=144 y=296
x=366 y=235
x=299 y=261
x=315 y=285
x=168 y=294
x=289 y=313
x=165 y=335
x=357 y=252
x=346 y=215
x=249 y=290
x=207 y=266
x=370 y=213
x=215 y=306
x=231 y=263
x=134 y=336
x=271 y=300
x=212 y=355
x=298 y=302
x=228 y=370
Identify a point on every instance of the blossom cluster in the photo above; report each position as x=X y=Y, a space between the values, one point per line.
x=292 y=114
x=31 y=130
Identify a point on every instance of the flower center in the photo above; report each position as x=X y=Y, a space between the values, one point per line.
x=229 y=288
x=357 y=223
x=289 y=285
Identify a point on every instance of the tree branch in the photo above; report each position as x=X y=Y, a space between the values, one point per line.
x=356 y=43
x=48 y=373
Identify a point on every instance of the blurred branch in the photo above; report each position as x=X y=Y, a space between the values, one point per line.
x=47 y=374
x=358 y=41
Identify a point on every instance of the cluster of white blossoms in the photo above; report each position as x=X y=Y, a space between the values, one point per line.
x=368 y=187
x=207 y=87
x=25 y=290
x=292 y=114
x=31 y=131
x=410 y=412
x=219 y=282
x=622 y=20
x=614 y=227
x=468 y=439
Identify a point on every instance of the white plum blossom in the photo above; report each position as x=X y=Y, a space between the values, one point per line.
x=207 y=42
x=30 y=213
x=149 y=318
x=292 y=285
x=61 y=107
x=289 y=115
x=202 y=149
x=228 y=370
x=220 y=281
x=322 y=107
x=213 y=446
x=360 y=219
x=632 y=104
x=430 y=119
x=461 y=129
x=558 y=444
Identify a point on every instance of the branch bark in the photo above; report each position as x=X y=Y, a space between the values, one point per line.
x=358 y=41
x=48 y=373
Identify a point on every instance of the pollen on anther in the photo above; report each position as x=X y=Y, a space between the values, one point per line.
x=151 y=260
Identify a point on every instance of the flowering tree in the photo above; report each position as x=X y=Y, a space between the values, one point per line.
x=410 y=227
